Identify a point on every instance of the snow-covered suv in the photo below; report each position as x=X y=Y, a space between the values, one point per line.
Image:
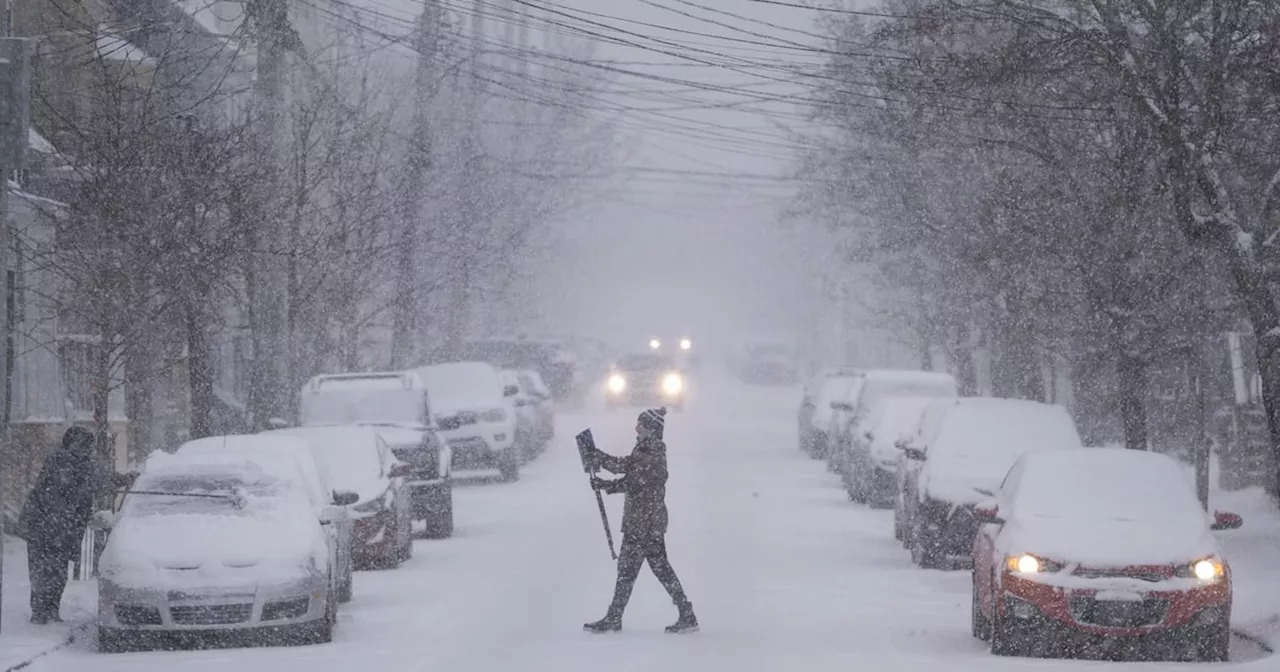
x=474 y=416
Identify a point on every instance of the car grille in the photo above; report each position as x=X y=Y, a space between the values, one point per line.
x=1117 y=614
x=129 y=614
x=452 y=422
x=425 y=461
x=1152 y=577
x=211 y=614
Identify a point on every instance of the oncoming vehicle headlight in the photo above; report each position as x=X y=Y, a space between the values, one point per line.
x=1025 y=563
x=1208 y=569
x=672 y=383
x=494 y=415
x=617 y=383
x=685 y=344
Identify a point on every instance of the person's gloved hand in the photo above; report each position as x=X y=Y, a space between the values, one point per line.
x=598 y=483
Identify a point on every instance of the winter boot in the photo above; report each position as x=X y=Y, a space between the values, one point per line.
x=687 y=622
x=610 y=623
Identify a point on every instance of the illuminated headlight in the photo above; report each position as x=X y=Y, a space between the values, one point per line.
x=655 y=344
x=672 y=384
x=1026 y=563
x=617 y=383
x=1208 y=569
x=685 y=344
x=494 y=415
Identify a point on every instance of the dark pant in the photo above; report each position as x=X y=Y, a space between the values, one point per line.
x=47 y=568
x=636 y=549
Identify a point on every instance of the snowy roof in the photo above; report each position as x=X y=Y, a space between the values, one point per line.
x=119 y=50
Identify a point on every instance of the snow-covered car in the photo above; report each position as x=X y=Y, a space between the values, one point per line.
x=849 y=450
x=1098 y=550
x=398 y=405
x=806 y=431
x=526 y=413
x=964 y=446
x=473 y=416
x=647 y=378
x=896 y=419
x=542 y=401
x=814 y=438
x=217 y=545
x=355 y=458
x=327 y=502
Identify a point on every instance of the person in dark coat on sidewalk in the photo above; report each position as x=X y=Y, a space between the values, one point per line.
x=56 y=515
x=644 y=522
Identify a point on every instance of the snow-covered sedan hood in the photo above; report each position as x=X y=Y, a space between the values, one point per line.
x=165 y=551
x=401 y=437
x=1110 y=542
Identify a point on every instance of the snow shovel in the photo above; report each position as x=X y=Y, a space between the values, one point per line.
x=586 y=446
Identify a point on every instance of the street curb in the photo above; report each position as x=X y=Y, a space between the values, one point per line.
x=66 y=641
x=1254 y=639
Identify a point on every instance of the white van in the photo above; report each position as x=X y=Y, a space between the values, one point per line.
x=397 y=403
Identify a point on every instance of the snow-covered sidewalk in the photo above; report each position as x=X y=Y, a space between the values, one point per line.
x=20 y=641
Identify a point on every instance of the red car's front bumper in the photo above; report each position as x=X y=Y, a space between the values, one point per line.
x=1074 y=617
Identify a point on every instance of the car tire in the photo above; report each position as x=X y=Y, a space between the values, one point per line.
x=439 y=519
x=116 y=641
x=980 y=625
x=346 y=590
x=924 y=548
x=321 y=632
x=1215 y=646
x=509 y=465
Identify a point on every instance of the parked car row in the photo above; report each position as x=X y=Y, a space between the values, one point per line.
x=1073 y=550
x=260 y=535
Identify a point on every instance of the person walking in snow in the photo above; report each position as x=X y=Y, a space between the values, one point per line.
x=644 y=522
x=56 y=514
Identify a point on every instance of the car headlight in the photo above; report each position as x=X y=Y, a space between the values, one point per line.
x=617 y=383
x=672 y=384
x=1025 y=563
x=1207 y=569
x=494 y=415
x=685 y=344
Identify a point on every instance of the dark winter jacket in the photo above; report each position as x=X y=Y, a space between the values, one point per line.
x=644 y=480
x=58 y=510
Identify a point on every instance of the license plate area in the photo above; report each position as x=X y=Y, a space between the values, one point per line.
x=1112 y=613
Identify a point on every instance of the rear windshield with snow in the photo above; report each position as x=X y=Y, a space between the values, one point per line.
x=1105 y=483
x=463 y=382
x=995 y=435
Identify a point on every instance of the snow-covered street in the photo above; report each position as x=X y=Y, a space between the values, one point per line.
x=784 y=571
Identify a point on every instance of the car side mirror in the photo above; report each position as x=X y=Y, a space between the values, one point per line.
x=1225 y=520
x=510 y=391
x=345 y=498
x=400 y=470
x=988 y=513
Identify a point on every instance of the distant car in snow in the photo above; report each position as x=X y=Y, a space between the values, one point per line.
x=217 y=544
x=355 y=458
x=848 y=449
x=542 y=401
x=1097 y=550
x=474 y=415
x=648 y=378
x=966 y=445
x=814 y=417
x=875 y=450
x=528 y=438
x=327 y=502
x=398 y=405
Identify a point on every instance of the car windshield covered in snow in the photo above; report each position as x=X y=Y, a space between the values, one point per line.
x=349 y=457
x=215 y=492
x=877 y=386
x=646 y=362
x=1104 y=483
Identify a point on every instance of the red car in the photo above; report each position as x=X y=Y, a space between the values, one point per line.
x=1101 y=552
x=356 y=458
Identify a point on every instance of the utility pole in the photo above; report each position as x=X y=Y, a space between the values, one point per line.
x=15 y=78
x=268 y=291
x=418 y=162
x=464 y=239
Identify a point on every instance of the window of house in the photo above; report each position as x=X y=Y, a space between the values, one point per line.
x=76 y=362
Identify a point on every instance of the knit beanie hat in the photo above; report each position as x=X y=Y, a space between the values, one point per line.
x=655 y=419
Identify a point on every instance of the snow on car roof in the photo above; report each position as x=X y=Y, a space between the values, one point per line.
x=347 y=455
x=900 y=416
x=461 y=385
x=1134 y=485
